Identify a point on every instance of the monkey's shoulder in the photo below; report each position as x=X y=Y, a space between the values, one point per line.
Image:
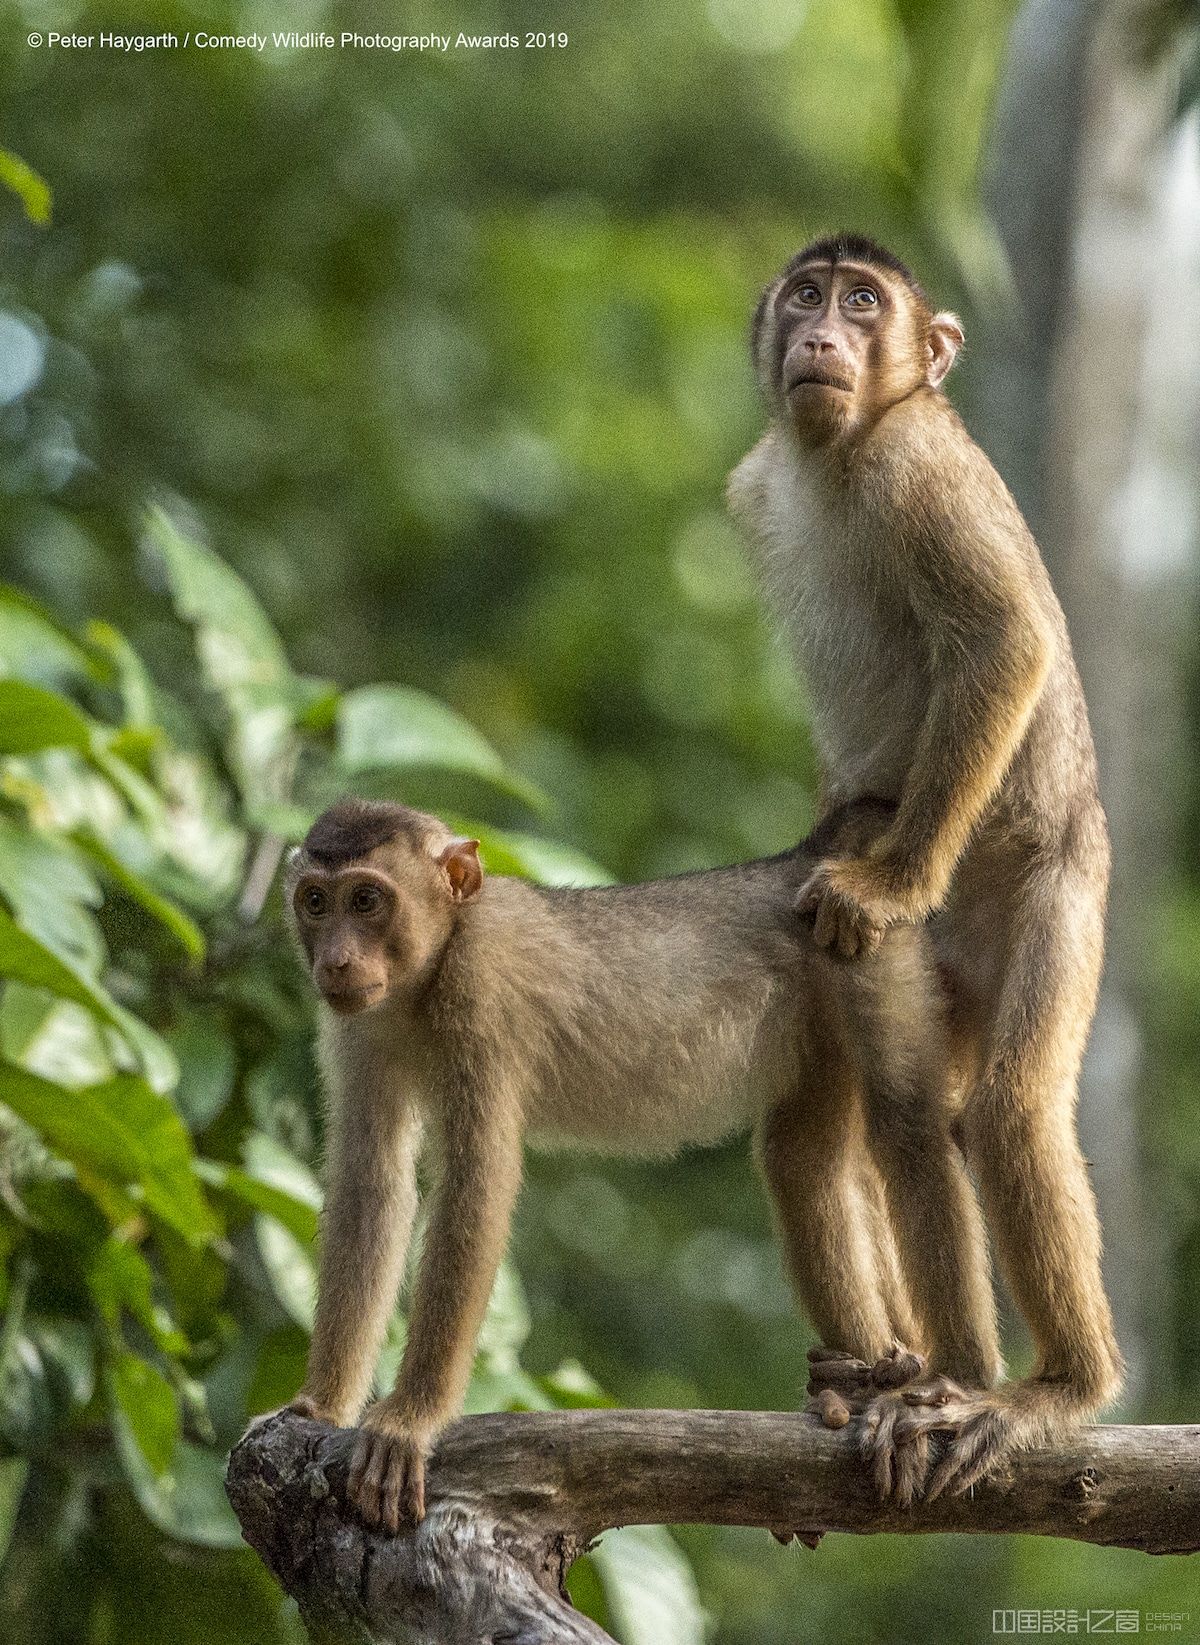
x=920 y=462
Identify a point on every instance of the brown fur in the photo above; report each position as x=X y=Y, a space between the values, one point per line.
x=942 y=680
x=638 y=1019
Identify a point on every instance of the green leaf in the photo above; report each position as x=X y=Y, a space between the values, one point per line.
x=51 y=892
x=32 y=718
x=68 y=1351
x=207 y=1065
x=34 y=643
x=290 y=1265
x=32 y=190
x=237 y=643
x=279 y=1370
x=119 y=1278
x=299 y=1218
x=393 y=727
x=185 y=930
x=121 y=1129
x=188 y=1501
x=27 y=960
x=54 y=1038
x=120 y=659
x=144 y=1411
x=650 y=1590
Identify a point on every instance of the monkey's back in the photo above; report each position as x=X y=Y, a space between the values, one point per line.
x=647 y=1017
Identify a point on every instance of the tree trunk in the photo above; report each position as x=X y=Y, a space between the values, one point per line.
x=513 y=1499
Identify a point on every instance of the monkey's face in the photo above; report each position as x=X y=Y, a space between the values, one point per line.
x=842 y=335
x=372 y=930
x=355 y=935
x=838 y=343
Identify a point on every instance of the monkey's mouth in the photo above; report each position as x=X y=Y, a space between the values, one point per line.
x=347 y=1001
x=810 y=379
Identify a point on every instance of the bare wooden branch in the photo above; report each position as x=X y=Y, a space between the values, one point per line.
x=513 y=1499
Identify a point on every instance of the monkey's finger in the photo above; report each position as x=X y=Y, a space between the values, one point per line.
x=912 y=1465
x=878 y=1442
x=412 y=1499
x=869 y=938
x=371 y=1482
x=358 y=1466
x=393 y=1486
x=843 y=1372
x=847 y=934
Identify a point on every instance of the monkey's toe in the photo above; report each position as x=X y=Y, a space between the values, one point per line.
x=898 y=1367
x=978 y=1448
x=833 y=1368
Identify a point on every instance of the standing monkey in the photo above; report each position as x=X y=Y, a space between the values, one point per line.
x=941 y=679
x=634 y=1018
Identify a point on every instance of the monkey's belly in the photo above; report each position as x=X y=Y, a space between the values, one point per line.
x=659 y=1105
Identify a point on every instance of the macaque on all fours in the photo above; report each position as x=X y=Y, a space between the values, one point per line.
x=941 y=679
x=639 y=1019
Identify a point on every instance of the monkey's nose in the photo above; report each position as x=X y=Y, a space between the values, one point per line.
x=818 y=345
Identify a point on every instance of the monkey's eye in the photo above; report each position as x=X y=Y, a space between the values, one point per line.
x=313 y=902
x=366 y=899
x=862 y=297
x=806 y=296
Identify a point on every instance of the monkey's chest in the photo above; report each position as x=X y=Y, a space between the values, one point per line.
x=864 y=662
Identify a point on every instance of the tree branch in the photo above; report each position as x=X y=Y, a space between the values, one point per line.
x=513 y=1499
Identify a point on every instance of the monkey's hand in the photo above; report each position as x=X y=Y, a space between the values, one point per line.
x=303 y=1406
x=848 y=911
x=387 y=1469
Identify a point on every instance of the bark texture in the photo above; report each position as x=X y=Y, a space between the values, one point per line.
x=513 y=1499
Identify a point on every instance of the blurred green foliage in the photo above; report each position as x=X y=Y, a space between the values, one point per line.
x=445 y=357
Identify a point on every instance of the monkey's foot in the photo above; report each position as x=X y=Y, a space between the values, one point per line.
x=839 y=1384
x=387 y=1470
x=977 y=1431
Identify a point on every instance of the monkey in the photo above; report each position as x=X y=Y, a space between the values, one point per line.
x=637 y=1019
x=941 y=680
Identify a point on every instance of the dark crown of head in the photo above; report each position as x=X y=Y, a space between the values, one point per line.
x=352 y=829
x=854 y=248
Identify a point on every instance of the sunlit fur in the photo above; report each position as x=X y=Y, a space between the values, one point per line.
x=635 y=1019
x=941 y=678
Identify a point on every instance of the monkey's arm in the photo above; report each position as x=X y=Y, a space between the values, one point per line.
x=464 y=1242
x=990 y=647
x=370 y=1201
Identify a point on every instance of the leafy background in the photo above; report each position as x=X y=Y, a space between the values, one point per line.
x=363 y=423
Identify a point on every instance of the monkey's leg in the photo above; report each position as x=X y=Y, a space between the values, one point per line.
x=464 y=1242
x=944 y=1248
x=811 y=1153
x=1019 y=1125
x=939 y=1228
x=370 y=1202
x=898 y=1028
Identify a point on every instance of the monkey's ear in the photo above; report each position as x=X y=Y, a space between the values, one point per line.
x=945 y=339
x=460 y=859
